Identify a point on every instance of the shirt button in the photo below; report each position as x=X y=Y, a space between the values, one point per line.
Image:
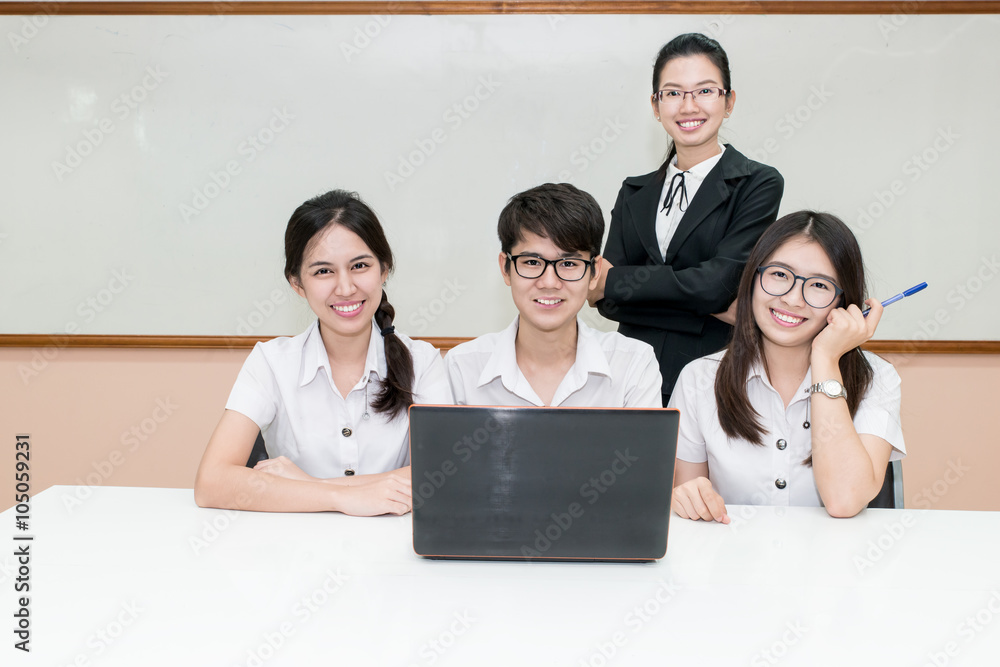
x=781 y=444
x=349 y=472
x=346 y=432
x=780 y=483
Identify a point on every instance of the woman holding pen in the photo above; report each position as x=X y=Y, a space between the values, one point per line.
x=680 y=236
x=793 y=412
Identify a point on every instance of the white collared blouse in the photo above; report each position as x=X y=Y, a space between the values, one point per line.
x=610 y=371
x=772 y=474
x=286 y=387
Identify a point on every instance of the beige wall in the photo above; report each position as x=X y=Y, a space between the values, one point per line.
x=139 y=417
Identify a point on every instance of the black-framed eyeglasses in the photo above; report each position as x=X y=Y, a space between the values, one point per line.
x=675 y=96
x=779 y=281
x=569 y=269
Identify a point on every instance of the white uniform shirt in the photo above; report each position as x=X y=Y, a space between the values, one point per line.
x=667 y=222
x=610 y=371
x=746 y=474
x=286 y=388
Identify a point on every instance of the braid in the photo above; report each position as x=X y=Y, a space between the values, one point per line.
x=396 y=394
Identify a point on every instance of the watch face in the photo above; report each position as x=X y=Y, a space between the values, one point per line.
x=832 y=388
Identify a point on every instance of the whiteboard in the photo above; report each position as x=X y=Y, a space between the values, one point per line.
x=152 y=162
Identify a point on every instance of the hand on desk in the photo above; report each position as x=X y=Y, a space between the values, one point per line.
x=283 y=467
x=697 y=499
x=371 y=495
x=363 y=495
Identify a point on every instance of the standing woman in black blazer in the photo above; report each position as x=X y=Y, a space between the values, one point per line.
x=680 y=236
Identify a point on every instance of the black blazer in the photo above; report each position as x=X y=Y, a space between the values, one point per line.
x=669 y=304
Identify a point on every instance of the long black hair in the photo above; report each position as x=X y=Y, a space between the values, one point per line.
x=339 y=207
x=736 y=415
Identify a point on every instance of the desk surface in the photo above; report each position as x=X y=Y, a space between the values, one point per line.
x=129 y=576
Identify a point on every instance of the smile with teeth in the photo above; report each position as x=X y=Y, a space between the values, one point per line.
x=348 y=309
x=691 y=124
x=548 y=302
x=789 y=319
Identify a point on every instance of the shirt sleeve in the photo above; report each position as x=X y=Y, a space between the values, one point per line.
x=878 y=413
x=255 y=391
x=430 y=382
x=691 y=446
x=453 y=370
x=645 y=383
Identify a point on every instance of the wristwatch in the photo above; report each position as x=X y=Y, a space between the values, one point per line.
x=831 y=388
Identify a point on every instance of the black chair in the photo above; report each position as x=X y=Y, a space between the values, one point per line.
x=259 y=452
x=890 y=496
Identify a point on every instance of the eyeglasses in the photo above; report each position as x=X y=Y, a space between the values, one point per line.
x=779 y=281
x=674 y=96
x=569 y=269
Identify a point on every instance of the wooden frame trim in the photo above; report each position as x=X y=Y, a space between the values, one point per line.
x=442 y=343
x=454 y=7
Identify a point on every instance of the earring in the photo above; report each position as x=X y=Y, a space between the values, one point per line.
x=657 y=118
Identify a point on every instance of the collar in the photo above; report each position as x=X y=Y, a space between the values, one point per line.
x=757 y=371
x=732 y=164
x=590 y=359
x=700 y=170
x=314 y=356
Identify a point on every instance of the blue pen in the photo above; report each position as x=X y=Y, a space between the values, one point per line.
x=893 y=299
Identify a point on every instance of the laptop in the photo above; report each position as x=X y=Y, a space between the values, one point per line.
x=542 y=483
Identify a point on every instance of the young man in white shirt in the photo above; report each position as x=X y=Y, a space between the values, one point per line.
x=550 y=238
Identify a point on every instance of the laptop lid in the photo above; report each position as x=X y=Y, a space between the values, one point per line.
x=541 y=483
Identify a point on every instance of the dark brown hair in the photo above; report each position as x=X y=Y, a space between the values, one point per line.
x=692 y=44
x=736 y=415
x=339 y=207
x=569 y=217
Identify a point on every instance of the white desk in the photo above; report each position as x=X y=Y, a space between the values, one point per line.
x=331 y=589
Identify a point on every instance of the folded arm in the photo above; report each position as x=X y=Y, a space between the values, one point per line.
x=224 y=481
